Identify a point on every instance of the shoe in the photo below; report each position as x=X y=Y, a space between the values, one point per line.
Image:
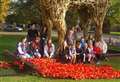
x=98 y=63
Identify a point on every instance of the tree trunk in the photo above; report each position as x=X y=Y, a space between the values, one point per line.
x=49 y=25
x=4 y=6
x=86 y=30
x=85 y=33
x=101 y=10
x=61 y=27
x=98 y=32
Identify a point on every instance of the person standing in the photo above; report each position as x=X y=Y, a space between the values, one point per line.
x=70 y=36
x=43 y=37
x=32 y=33
x=98 y=52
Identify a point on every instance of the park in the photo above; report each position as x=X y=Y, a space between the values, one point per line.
x=59 y=40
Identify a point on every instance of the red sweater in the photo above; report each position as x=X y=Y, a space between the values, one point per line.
x=97 y=50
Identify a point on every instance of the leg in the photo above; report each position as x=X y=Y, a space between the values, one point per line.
x=84 y=58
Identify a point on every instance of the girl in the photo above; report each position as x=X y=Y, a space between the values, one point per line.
x=97 y=51
x=79 y=52
x=85 y=52
x=71 y=53
x=22 y=49
x=90 y=51
x=49 y=49
x=36 y=47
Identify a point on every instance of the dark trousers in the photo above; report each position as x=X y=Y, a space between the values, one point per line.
x=97 y=57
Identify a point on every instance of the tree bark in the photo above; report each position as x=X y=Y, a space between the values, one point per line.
x=101 y=10
x=86 y=29
x=48 y=23
x=98 y=32
x=61 y=27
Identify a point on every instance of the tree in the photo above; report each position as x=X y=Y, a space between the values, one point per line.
x=54 y=11
x=112 y=17
x=71 y=17
x=4 y=6
x=113 y=13
x=24 y=11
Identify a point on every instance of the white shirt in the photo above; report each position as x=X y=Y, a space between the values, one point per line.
x=52 y=50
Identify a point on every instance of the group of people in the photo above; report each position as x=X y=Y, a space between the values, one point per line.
x=74 y=50
x=36 y=44
x=83 y=50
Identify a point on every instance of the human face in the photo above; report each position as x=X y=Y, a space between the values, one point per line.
x=86 y=45
x=37 y=40
x=49 y=42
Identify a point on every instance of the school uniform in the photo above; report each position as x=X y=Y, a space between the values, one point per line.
x=49 y=51
x=36 y=49
x=70 y=55
x=79 y=54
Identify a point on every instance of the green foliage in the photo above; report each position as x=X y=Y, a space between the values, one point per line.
x=115 y=33
x=114 y=12
x=24 y=11
x=72 y=18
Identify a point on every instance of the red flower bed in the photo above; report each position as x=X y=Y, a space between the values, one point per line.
x=54 y=69
x=19 y=64
x=4 y=65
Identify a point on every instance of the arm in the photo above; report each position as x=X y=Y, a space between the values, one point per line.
x=20 y=50
x=53 y=51
x=45 y=51
x=105 y=48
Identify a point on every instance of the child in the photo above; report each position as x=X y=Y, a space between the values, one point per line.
x=79 y=52
x=43 y=39
x=85 y=52
x=49 y=49
x=71 y=53
x=82 y=42
x=90 y=51
x=36 y=47
x=22 y=49
x=97 y=51
x=70 y=36
x=104 y=50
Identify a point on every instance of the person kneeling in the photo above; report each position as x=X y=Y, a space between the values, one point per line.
x=49 y=49
x=22 y=49
x=70 y=54
x=36 y=47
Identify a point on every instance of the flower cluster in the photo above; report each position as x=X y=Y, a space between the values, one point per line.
x=19 y=64
x=52 y=68
x=4 y=65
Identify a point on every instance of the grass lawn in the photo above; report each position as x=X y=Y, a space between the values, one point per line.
x=115 y=33
x=28 y=78
x=9 y=42
x=114 y=48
